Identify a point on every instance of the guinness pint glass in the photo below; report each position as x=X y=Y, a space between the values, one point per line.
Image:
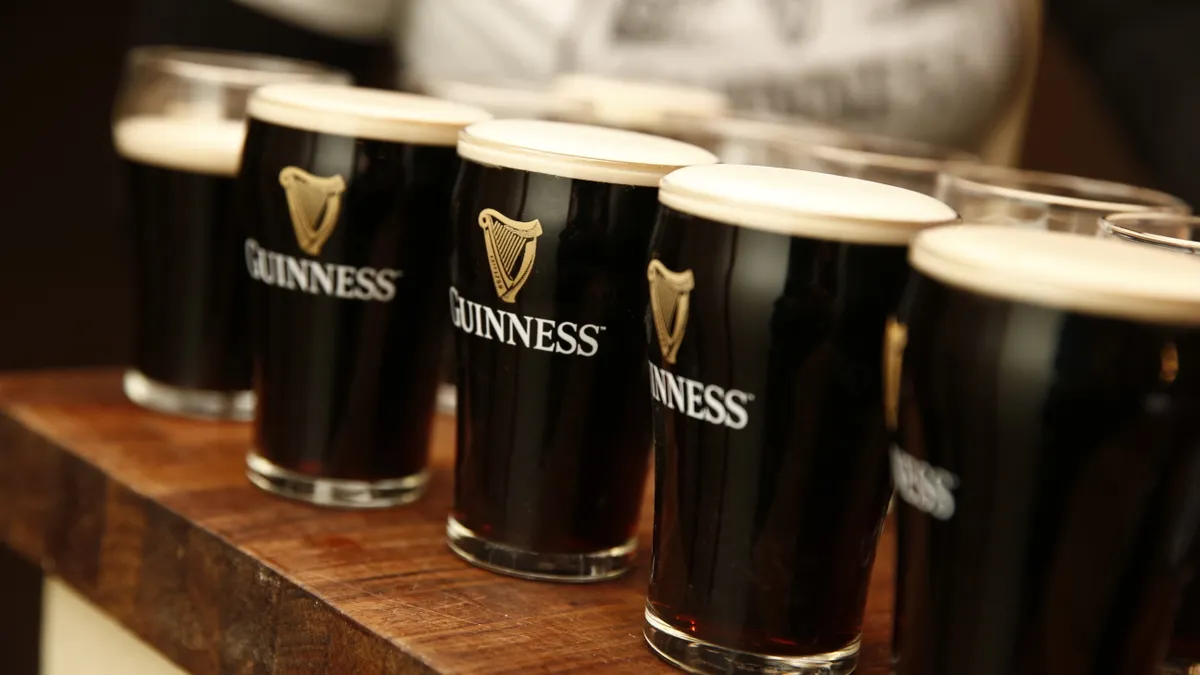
x=179 y=126
x=1048 y=463
x=347 y=197
x=551 y=224
x=770 y=291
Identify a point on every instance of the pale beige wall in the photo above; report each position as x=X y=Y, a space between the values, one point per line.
x=79 y=639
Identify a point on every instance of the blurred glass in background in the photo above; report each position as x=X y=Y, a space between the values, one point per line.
x=179 y=126
x=1001 y=196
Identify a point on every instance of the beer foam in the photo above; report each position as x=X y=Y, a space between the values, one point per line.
x=210 y=146
x=579 y=151
x=1065 y=271
x=364 y=113
x=803 y=203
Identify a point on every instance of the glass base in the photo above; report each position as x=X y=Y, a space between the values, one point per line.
x=335 y=492
x=565 y=567
x=698 y=656
x=447 y=398
x=199 y=403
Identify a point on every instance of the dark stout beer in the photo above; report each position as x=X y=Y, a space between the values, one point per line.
x=770 y=292
x=179 y=126
x=191 y=331
x=347 y=197
x=1180 y=234
x=551 y=225
x=1049 y=456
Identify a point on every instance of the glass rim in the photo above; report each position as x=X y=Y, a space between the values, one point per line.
x=230 y=67
x=1121 y=225
x=1046 y=188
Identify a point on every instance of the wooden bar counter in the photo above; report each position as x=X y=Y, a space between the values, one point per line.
x=152 y=519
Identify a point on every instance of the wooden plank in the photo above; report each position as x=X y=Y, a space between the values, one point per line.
x=152 y=519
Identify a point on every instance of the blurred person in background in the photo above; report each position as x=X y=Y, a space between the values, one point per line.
x=949 y=72
x=956 y=73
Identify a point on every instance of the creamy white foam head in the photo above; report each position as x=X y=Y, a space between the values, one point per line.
x=632 y=103
x=364 y=113
x=578 y=151
x=198 y=145
x=1066 y=271
x=803 y=203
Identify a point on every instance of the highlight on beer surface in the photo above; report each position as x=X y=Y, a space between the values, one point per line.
x=179 y=126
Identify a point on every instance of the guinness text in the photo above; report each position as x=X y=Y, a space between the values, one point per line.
x=318 y=278
x=559 y=337
x=707 y=403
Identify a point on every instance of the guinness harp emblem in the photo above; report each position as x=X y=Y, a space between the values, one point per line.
x=511 y=247
x=895 y=339
x=669 y=294
x=314 y=203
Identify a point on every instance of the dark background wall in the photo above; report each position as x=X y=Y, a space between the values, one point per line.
x=64 y=262
x=64 y=251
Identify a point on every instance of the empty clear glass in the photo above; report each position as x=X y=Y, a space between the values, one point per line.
x=1001 y=196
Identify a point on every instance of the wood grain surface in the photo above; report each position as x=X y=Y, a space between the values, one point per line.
x=152 y=519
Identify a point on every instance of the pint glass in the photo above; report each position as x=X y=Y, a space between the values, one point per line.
x=346 y=201
x=1048 y=462
x=179 y=126
x=551 y=223
x=770 y=293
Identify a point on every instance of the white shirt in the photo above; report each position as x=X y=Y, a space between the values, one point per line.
x=935 y=70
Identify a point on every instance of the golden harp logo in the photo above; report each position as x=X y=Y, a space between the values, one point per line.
x=895 y=339
x=314 y=203
x=669 y=295
x=511 y=247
